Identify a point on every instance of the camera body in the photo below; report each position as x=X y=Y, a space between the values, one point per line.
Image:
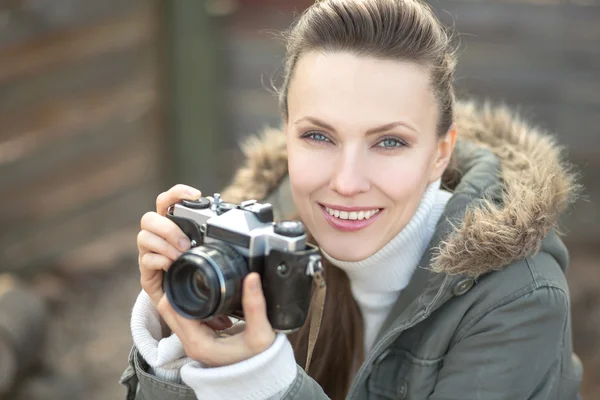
x=228 y=242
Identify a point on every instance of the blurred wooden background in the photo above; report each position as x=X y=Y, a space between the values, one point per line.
x=103 y=104
x=79 y=135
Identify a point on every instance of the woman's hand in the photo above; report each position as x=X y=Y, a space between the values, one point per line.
x=201 y=343
x=161 y=241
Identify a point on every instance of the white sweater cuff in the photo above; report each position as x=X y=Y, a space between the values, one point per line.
x=165 y=356
x=265 y=376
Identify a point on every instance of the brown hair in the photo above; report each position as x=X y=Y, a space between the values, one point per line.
x=404 y=30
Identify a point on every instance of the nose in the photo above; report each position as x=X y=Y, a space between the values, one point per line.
x=350 y=175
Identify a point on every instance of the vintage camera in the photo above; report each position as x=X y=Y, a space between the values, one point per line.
x=228 y=242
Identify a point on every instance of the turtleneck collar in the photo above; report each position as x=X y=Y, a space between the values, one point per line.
x=390 y=268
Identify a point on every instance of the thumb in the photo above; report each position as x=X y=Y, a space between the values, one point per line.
x=258 y=332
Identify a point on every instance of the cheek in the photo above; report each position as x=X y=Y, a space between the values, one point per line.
x=308 y=173
x=400 y=178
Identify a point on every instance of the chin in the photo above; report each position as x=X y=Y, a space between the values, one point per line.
x=341 y=251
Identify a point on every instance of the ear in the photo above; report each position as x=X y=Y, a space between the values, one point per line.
x=445 y=147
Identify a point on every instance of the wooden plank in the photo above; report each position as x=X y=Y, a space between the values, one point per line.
x=576 y=126
x=522 y=87
x=546 y=37
x=23 y=20
x=21 y=137
x=58 y=49
x=507 y=58
x=499 y=21
x=581 y=220
x=95 y=74
x=97 y=132
x=76 y=184
x=43 y=247
x=104 y=252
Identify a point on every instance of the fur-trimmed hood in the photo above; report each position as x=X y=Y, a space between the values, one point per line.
x=535 y=186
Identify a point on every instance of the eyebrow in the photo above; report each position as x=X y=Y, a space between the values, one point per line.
x=379 y=129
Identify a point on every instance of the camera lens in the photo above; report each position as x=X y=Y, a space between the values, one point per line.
x=206 y=281
x=201 y=285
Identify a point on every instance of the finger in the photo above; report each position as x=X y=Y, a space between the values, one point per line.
x=167 y=313
x=233 y=330
x=149 y=242
x=151 y=282
x=155 y=262
x=259 y=333
x=219 y=323
x=198 y=339
x=187 y=328
x=166 y=229
x=173 y=195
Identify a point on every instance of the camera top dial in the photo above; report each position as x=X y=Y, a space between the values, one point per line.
x=199 y=204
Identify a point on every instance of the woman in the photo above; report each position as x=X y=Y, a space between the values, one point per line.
x=445 y=279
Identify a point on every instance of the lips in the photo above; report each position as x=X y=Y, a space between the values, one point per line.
x=349 y=219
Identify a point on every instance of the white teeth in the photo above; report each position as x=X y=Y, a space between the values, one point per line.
x=352 y=215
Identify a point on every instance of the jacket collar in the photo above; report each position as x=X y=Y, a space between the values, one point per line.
x=428 y=289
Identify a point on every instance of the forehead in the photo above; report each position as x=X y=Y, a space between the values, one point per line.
x=338 y=86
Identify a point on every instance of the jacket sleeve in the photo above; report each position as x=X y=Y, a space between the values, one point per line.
x=141 y=385
x=510 y=352
x=304 y=388
x=158 y=365
x=264 y=376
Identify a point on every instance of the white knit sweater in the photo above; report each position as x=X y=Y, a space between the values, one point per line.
x=376 y=283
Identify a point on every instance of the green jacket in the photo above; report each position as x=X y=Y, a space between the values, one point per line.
x=487 y=314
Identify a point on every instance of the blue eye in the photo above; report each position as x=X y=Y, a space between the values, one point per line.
x=390 y=143
x=316 y=136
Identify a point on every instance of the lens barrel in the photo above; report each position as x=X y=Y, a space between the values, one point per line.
x=206 y=281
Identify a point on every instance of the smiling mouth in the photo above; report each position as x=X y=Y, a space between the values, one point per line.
x=351 y=215
x=350 y=220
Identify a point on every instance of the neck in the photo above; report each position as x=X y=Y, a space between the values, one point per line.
x=376 y=281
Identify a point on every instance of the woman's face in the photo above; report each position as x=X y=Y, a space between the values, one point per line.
x=362 y=148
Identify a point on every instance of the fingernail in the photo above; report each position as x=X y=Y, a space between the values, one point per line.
x=254 y=284
x=184 y=244
x=194 y=193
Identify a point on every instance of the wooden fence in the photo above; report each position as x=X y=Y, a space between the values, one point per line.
x=79 y=136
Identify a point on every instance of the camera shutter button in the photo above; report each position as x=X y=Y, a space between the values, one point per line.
x=289 y=228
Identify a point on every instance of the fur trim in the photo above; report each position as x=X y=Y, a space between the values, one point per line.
x=266 y=166
x=538 y=186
